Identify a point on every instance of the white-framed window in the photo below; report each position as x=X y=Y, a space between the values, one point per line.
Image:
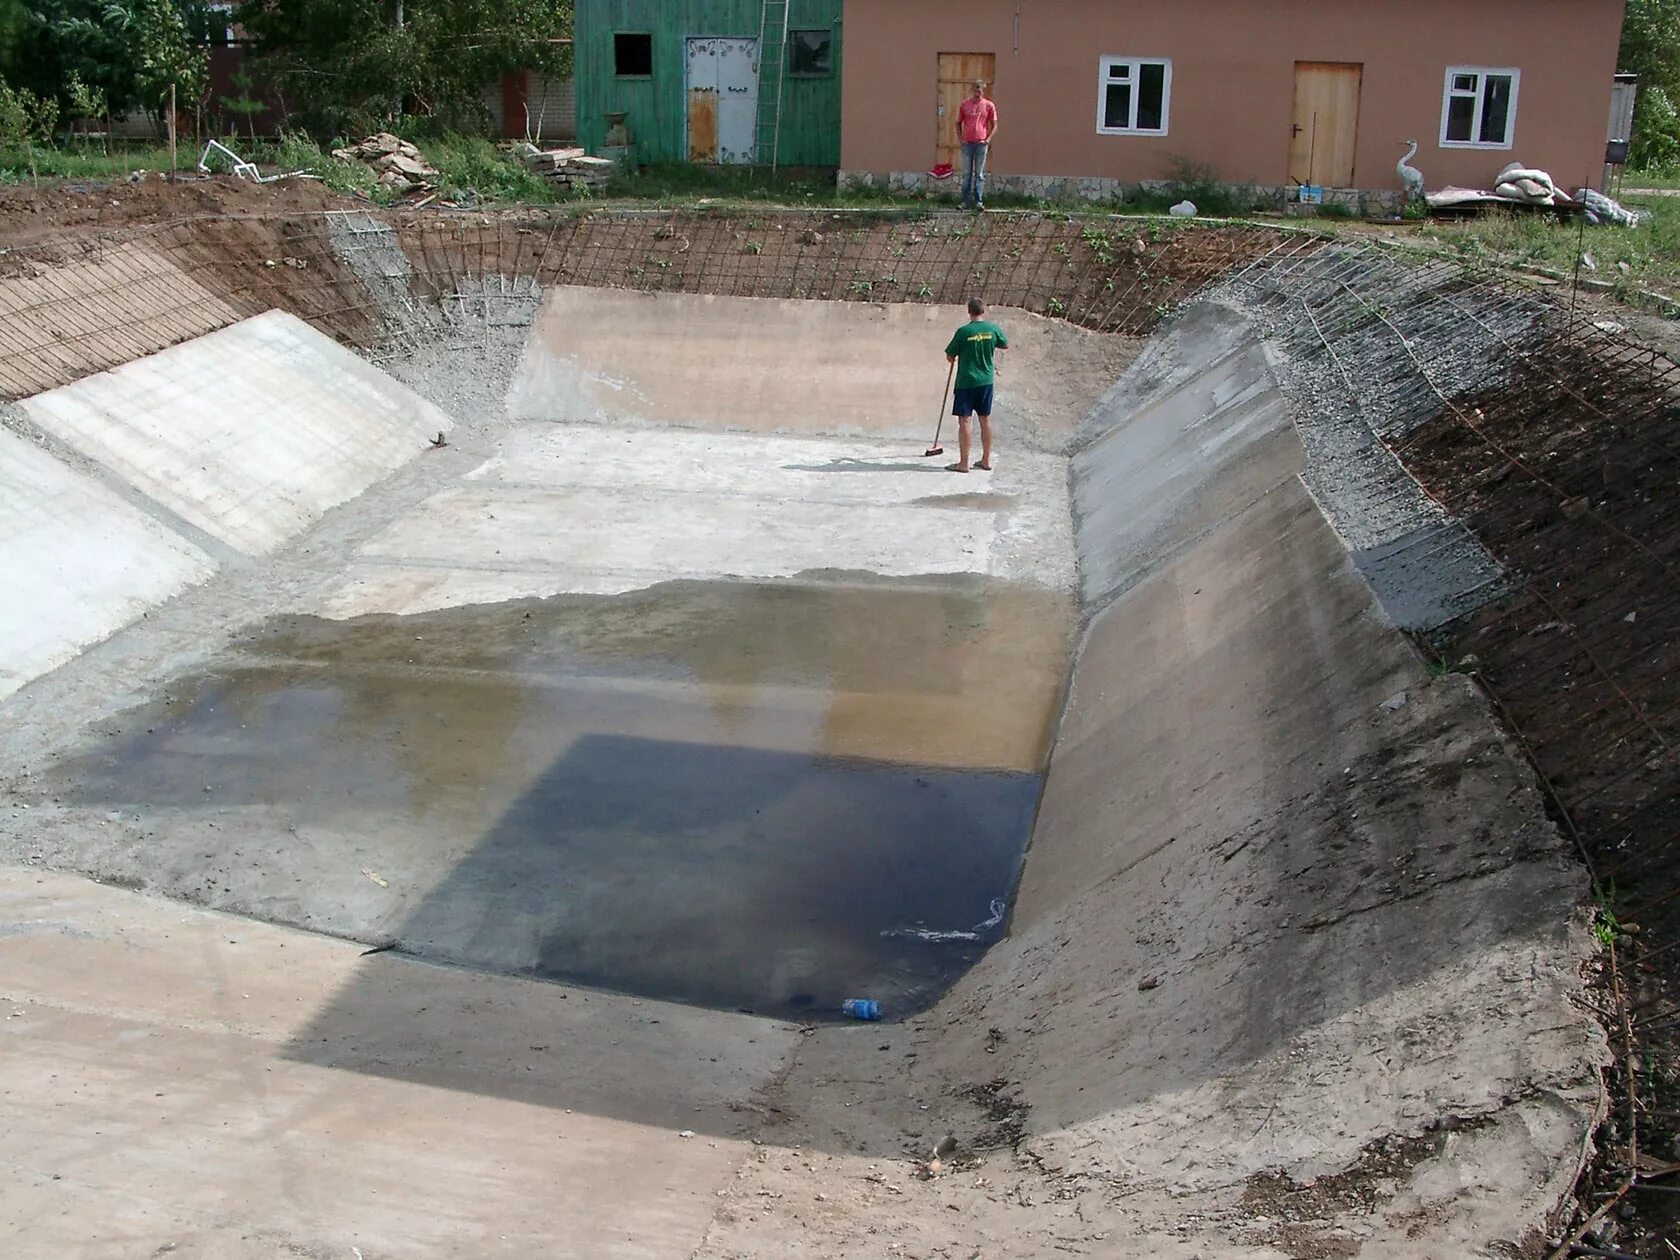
x=1479 y=108
x=1134 y=95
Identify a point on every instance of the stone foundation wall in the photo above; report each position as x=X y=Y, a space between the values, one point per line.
x=1372 y=203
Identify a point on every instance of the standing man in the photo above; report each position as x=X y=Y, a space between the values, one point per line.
x=971 y=349
x=976 y=125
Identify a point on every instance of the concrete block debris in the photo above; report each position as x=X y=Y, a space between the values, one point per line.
x=399 y=166
x=572 y=168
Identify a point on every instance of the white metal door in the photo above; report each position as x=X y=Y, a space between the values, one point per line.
x=722 y=99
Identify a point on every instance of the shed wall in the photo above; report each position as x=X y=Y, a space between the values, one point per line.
x=810 y=127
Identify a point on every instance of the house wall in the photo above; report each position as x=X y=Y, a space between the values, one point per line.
x=1232 y=82
x=658 y=122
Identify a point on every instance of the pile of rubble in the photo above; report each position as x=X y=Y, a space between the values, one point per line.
x=571 y=168
x=399 y=165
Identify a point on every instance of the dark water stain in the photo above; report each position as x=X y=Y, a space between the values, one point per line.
x=981 y=502
x=772 y=796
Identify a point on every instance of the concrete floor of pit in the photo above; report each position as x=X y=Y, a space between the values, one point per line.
x=1285 y=969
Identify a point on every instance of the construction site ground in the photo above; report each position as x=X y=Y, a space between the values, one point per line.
x=1304 y=1010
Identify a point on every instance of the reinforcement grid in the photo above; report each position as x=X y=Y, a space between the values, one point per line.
x=379 y=281
x=1558 y=442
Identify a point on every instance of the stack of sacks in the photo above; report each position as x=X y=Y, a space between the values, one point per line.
x=1521 y=183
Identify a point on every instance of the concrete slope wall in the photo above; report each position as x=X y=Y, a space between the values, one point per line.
x=1287 y=896
x=76 y=562
x=768 y=365
x=248 y=434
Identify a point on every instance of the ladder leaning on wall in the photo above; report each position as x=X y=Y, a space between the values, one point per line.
x=772 y=71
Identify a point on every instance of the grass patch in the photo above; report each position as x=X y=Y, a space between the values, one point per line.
x=1666 y=178
x=473 y=165
x=78 y=162
x=1629 y=258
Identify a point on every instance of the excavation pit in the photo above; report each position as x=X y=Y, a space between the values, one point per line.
x=645 y=674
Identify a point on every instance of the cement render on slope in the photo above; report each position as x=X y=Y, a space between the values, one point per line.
x=76 y=562
x=1354 y=918
x=249 y=433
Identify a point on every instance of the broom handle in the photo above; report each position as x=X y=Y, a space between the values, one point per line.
x=940 y=426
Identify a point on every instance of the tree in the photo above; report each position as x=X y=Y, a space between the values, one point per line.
x=1651 y=49
x=363 y=62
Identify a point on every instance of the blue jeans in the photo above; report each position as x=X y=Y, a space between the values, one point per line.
x=974 y=172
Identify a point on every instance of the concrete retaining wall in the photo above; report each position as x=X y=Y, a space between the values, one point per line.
x=76 y=562
x=1287 y=895
x=248 y=434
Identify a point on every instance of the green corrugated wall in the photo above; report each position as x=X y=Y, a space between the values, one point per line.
x=810 y=130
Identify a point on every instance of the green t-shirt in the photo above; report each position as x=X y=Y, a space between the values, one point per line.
x=973 y=344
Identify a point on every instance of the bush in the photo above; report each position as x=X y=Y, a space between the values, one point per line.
x=25 y=118
x=297 y=152
x=473 y=163
x=1199 y=182
x=1656 y=132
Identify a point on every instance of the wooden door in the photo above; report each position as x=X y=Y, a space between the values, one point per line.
x=722 y=99
x=957 y=72
x=1326 y=128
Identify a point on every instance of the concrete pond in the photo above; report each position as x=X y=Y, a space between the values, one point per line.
x=439 y=828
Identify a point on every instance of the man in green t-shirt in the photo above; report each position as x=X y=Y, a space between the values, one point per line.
x=971 y=350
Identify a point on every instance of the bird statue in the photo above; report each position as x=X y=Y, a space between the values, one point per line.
x=1410 y=176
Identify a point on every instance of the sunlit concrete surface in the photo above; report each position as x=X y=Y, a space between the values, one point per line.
x=76 y=562
x=248 y=434
x=600 y=510
x=172 y=1088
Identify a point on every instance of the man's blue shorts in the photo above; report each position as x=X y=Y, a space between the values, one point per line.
x=977 y=398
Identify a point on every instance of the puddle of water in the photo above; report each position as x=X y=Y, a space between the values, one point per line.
x=741 y=795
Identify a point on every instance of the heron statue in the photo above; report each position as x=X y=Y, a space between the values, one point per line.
x=1410 y=176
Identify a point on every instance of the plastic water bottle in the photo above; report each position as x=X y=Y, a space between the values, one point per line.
x=861 y=1008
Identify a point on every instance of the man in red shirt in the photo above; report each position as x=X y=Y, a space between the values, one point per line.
x=976 y=125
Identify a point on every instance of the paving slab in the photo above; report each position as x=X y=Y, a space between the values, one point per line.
x=77 y=562
x=249 y=433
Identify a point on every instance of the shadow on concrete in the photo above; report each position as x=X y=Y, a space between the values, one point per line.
x=866 y=466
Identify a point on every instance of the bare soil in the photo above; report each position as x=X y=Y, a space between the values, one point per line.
x=1570 y=482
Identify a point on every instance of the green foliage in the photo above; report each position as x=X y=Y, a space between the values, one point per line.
x=165 y=57
x=1647 y=256
x=471 y=164
x=349 y=66
x=1656 y=128
x=87 y=103
x=125 y=53
x=297 y=152
x=244 y=103
x=1651 y=49
x=25 y=119
x=1188 y=180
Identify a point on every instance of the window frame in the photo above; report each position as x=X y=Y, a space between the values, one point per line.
x=1104 y=65
x=647 y=35
x=811 y=74
x=1449 y=93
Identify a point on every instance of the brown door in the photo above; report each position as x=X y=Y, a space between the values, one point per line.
x=957 y=72
x=1326 y=123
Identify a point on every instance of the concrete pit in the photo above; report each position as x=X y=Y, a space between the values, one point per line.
x=448 y=815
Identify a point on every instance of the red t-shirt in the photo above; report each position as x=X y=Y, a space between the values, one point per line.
x=975 y=119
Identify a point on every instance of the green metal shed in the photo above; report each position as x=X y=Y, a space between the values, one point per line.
x=729 y=81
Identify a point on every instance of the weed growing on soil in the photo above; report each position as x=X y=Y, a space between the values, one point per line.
x=471 y=163
x=1605 y=926
x=1646 y=255
x=297 y=152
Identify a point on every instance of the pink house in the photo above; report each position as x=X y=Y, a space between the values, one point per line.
x=1095 y=95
